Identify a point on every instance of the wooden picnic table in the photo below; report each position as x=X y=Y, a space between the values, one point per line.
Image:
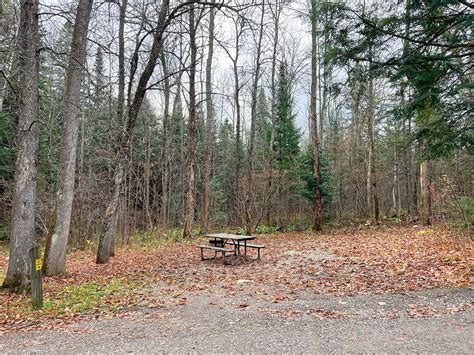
x=219 y=241
x=236 y=240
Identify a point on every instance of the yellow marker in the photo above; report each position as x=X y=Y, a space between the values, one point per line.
x=39 y=264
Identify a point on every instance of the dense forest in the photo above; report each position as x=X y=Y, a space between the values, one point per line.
x=120 y=117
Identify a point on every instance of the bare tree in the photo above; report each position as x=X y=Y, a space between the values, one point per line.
x=318 y=206
x=372 y=197
x=256 y=78
x=166 y=143
x=239 y=28
x=189 y=206
x=56 y=245
x=24 y=195
x=121 y=61
x=125 y=138
x=276 y=13
x=209 y=136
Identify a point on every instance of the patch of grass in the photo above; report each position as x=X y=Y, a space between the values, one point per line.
x=176 y=235
x=4 y=233
x=262 y=229
x=72 y=300
x=156 y=238
x=2 y=277
x=84 y=298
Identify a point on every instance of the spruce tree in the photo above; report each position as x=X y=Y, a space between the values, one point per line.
x=287 y=136
x=262 y=131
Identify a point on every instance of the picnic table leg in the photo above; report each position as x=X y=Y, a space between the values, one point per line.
x=224 y=257
x=245 y=248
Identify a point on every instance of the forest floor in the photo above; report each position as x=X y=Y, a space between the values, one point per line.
x=389 y=288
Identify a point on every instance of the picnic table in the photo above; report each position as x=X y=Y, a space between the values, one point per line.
x=218 y=242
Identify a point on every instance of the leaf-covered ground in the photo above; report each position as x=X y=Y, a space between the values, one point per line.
x=341 y=262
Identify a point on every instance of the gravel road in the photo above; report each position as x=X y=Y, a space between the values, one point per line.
x=435 y=321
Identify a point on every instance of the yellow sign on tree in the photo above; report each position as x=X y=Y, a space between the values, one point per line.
x=39 y=264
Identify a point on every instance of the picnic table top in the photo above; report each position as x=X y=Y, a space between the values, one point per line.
x=230 y=236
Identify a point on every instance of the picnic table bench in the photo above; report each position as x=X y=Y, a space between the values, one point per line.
x=216 y=250
x=218 y=242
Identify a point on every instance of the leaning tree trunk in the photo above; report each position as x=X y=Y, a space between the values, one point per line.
x=318 y=205
x=24 y=195
x=125 y=138
x=209 y=127
x=189 y=207
x=56 y=245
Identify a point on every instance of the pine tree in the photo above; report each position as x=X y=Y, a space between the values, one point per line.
x=287 y=136
x=305 y=183
x=222 y=181
x=262 y=131
x=99 y=80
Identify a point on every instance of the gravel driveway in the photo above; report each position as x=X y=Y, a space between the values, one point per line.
x=439 y=321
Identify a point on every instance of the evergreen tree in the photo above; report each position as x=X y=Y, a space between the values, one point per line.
x=103 y=133
x=99 y=80
x=262 y=131
x=223 y=177
x=438 y=70
x=305 y=183
x=287 y=136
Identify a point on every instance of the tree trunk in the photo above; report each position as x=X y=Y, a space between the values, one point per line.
x=166 y=144
x=272 y=108
x=125 y=138
x=411 y=180
x=56 y=246
x=374 y=201
x=24 y=196
x=396 y=190
x=189 y=207
x=238 y=140
x=147 y=177
x=256 y=78
x=209 y=127
x=121 y=62
x=318 y=206
x=121 y=87
x=325 y=79
x=424 y=197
